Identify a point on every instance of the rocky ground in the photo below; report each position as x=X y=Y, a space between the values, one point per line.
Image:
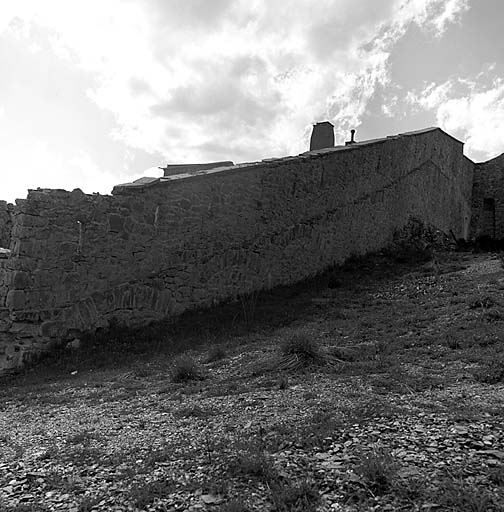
x=378 y=386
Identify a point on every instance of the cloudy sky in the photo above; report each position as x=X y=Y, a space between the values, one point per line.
x=96 y=92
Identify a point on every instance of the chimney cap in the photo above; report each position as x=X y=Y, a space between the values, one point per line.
x=352 y=138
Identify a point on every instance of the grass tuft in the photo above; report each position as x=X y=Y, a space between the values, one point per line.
x=301 y=351
x=143 y=494
x=302 y=497
x=491 y=373
x=453 y=343
x=283 y=382
x=252 y=460
x=184 y=368
x=496 y=475
x=378 y=470
x=254 y=464
x=483 y=301
x=216 y=353
x=455 y=494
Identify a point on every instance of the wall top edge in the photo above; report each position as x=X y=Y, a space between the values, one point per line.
x=144 y=183
x=138 y=186
x=497 y=159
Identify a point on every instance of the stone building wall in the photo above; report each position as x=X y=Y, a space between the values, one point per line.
x=488 y=199
x=5 y=223
x=160 y=247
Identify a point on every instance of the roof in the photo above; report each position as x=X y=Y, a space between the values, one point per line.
x=143 y=183
x=377 y=141
x=193 y=168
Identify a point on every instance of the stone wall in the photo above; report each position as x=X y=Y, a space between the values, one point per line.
x=5 y=223
x=156 y=249
x=488 y=199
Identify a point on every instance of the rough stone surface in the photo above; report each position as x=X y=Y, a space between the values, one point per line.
x=151 y=253
x=488 y=199
x=5 y=224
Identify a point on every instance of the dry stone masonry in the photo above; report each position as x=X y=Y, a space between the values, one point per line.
x=488 y=199
x=5 y=224
x=161 y=246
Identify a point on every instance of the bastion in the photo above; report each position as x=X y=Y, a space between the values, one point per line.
x=73 y=262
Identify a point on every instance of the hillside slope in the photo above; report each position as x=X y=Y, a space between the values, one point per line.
x=378 y=386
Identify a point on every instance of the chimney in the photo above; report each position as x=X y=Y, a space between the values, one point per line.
x=352 y=138
x=322 y=136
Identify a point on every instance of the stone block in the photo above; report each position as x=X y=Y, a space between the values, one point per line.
x=24 y=247
x=30 y=316
x=53 y=329
x=21 y=280
x=24 y=330
x=116 y=223
x=33 y=221
x=16 y=299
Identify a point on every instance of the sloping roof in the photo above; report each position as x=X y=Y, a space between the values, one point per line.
x=143 y=183
x=172 y=169
x=378 y=141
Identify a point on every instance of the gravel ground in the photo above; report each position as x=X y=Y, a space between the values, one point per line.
x=404 y=412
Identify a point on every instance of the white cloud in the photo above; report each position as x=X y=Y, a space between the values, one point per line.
x=450 y=12
x=431 y=96
x=41 y=166
x=242 y=79
x=472 y=108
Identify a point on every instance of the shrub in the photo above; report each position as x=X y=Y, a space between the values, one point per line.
x=184 y=369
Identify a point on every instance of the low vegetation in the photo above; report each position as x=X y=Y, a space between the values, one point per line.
x=184 y=368
x=376 y=386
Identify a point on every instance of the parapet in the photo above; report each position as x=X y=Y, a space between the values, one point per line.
x=172 y=169
x=179 y=172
